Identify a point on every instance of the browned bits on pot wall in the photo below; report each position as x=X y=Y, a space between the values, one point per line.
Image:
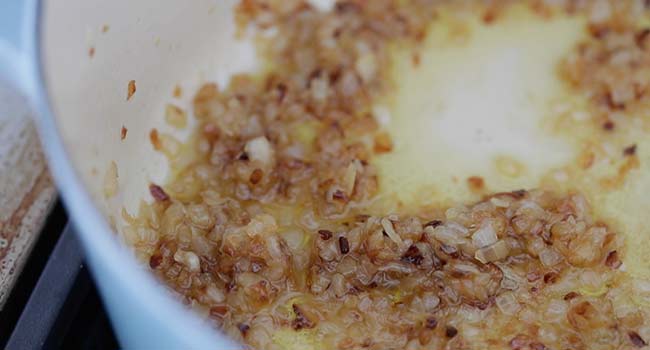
x=130 y=91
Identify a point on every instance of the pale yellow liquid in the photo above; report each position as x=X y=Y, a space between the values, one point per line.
x=487 y=101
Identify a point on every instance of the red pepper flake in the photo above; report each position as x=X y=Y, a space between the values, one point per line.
x=608 y=125
x=256 y=176
x=325 y=234
x=612 y=260
x=431 y=323
x=571 y=295
x=123 y=132
x=130 y=90
x=413 y=256
x=433 y=223
x=91 y=52
x=636 y=339
x=344 y=245
x=155 y=261
x=450 y=331
x=158 y=193
x=629 y=150
x=301 y=321
x=243 y=328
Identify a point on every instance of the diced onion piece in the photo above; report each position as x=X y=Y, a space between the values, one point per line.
x=507 y=303
x=485 y=235
x=549 y=257
x=460 y=230
x=189 y=259
x=390 y=231
x=259 y=149
x=495 y=252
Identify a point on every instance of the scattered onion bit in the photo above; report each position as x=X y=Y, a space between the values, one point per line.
x=450 y=331
x=155 y=139
x=612 y=260
x=636 y=339
x=158 y=193
x=256 y=176
x=155 y=261
x=243 y=328
x=570 y=296
x=91 y=52
x=301 y=321
x=383 y=143
x=344 y=245
x=433 y=223
x=431 y=323
x=130 y=90
x=629 y=150
x=325 y=234
x=608 y=125
x=178 y=91
x=476 y=183
x=413 y=256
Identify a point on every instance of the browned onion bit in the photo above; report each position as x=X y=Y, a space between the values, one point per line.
x=571 y=295
x=431 y=323
x=433 y=223
x=612 y=260
x=629 y=150
x=450 y=331
x=243 y=328
x=158 y=193
x=256 y=176
x=325 y=234
x=301 y=321
x=155 y=261
x=413 y=256
x=636 y=339
x=344 y=245
x=550 y=277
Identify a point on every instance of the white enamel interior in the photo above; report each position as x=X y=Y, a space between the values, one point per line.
x=159 y=44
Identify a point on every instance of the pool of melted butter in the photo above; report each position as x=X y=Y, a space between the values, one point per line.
x=485 y=100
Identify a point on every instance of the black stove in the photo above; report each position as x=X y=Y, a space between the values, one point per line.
x=54 y=304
